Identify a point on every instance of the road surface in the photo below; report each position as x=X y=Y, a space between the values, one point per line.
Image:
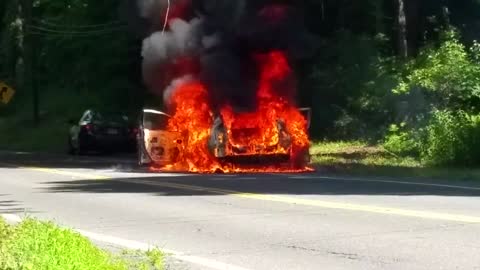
x=282 y=221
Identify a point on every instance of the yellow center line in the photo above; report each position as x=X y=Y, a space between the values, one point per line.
x=67 y=173
x=281 y=199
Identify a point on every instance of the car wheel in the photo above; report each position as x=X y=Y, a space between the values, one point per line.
x=139 y=158
x=300 y=159
x=142 y=160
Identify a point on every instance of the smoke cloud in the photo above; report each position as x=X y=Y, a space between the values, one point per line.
x=180 y=40
x=167 y=95
x=215 y=42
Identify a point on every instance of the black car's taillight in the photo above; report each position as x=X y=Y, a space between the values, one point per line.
x=89 y=128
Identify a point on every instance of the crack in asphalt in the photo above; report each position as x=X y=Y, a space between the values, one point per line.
x=350 y=256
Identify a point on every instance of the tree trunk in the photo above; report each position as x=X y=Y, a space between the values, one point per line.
x=28 y=57
x=402 y=30
x=379 y=17
x=414 y=27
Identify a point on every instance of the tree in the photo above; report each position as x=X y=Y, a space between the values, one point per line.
x=402 y=42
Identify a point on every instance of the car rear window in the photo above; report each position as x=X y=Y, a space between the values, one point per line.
x=103 y=117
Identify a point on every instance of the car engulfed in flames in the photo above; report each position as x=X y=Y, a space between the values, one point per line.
x=229 y=149
x=198 y=136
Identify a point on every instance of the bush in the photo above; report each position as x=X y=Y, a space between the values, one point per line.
x=400 y=141
x=450 y=74
x=441 y=93
x=448 y=138
x=451 y=138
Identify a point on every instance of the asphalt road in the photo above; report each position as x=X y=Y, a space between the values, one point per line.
x=282 y=221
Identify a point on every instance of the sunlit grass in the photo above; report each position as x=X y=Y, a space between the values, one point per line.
x=325 y=147
x=359 y=158
x=39 y=245
x=357 y=152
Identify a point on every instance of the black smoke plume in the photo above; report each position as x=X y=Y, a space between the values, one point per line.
x=213 y=41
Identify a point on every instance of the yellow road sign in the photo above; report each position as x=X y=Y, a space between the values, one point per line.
x=6 y=93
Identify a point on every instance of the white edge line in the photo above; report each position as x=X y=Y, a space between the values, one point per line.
x=400 y=182
x=130 y=244
x=382 y=181
x=333 y=178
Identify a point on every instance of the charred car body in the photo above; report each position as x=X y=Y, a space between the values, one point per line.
x=229 y=146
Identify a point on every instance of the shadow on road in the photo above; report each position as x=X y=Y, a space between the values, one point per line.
x=194 y=184
x=63 y=161
x=10 y=206
x=307 y=184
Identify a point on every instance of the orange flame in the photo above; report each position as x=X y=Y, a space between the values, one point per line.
x=193 y=118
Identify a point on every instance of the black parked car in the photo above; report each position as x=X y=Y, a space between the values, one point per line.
x=101 y=132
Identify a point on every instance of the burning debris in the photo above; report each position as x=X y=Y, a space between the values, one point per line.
x=223 y=70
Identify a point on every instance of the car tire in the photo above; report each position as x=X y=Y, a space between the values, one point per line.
x=300 y=160
x=140 y=162
x=141 y=158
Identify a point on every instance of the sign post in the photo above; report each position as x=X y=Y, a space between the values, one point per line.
x=6 y=93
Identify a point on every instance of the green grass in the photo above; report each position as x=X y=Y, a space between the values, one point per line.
x=18 y=132
x=362 y=159
x=21 y=135
x=39 y=245
x=356 y=152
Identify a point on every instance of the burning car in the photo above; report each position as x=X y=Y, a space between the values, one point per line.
x=230 y=145
x=224 y=71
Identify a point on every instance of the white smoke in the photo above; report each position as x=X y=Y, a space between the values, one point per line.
x=175 y=84
x=182 y=39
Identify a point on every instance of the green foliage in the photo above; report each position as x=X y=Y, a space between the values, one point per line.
x=156 y=258
x=5 y=232
x=445 y=81
x=10 y=41
x=452 y=138
x=450 y=73
x=352 y=80
x=73 y=71
x=44 y=246
x=400 y=140
x=73 y=58
x=93 y=64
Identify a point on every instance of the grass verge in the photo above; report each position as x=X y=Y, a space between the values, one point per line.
x=17 y=134
x=38 y=245
x=361 y=159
